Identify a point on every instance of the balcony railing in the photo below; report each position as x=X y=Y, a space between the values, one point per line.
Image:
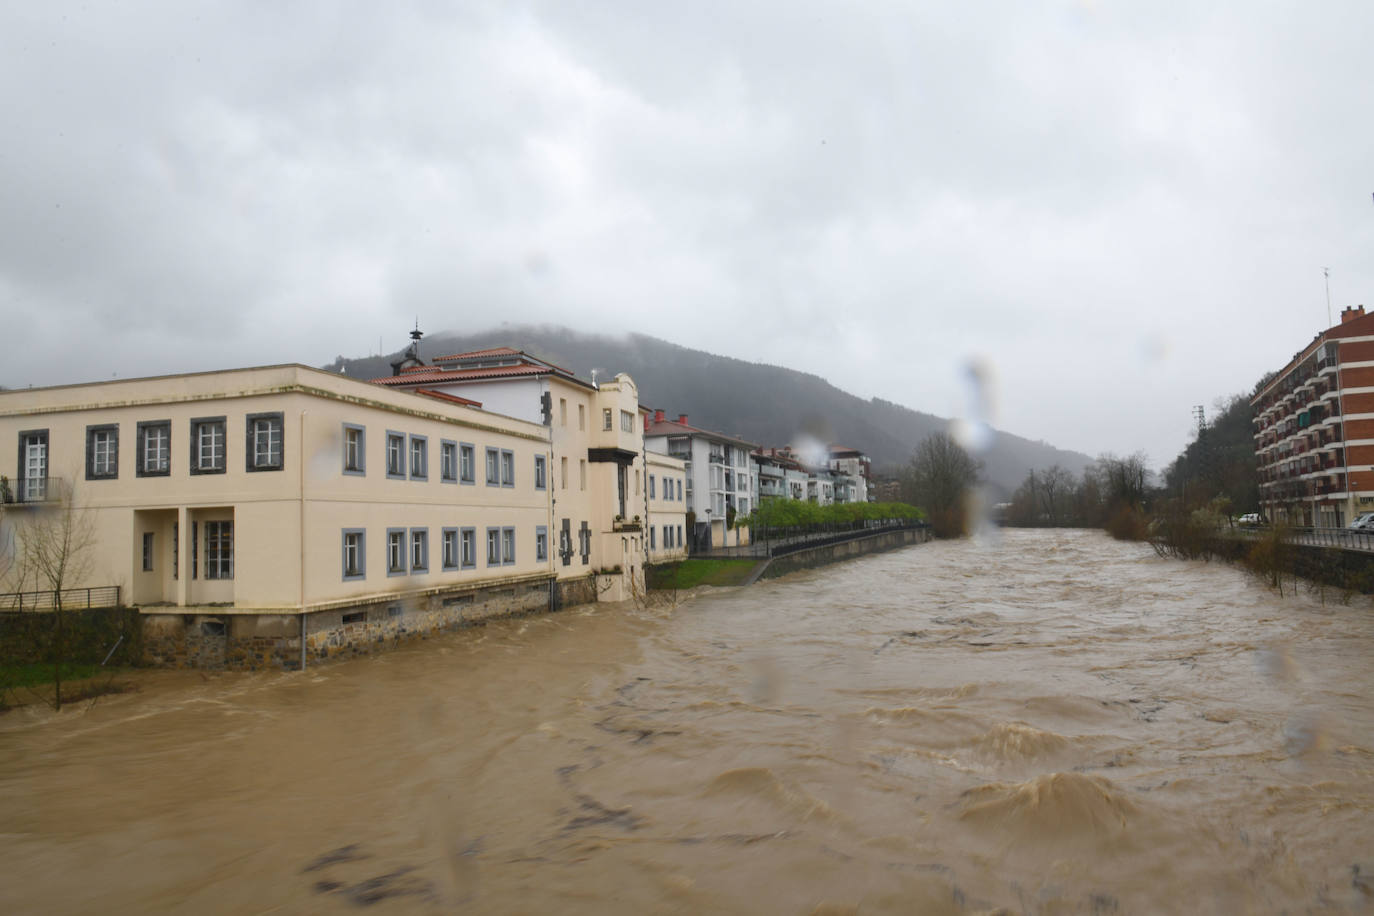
x=32 y=490
x=71 y=599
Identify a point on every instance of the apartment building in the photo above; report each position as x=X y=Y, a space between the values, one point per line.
x=778 y=474
x=595 y=441
x=718 y=474
x=666 y=507
x=260 y=516
x=1314 y=428
x=850 y=469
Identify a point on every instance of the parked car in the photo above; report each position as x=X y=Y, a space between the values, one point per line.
x=1363 y=522
x=1251 y=520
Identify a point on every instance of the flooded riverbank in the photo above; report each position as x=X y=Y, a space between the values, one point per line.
x=1053 y=722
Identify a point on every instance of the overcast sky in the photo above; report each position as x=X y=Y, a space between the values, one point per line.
x=1120 y=209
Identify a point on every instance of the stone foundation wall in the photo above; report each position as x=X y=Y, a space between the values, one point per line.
x=256 y=641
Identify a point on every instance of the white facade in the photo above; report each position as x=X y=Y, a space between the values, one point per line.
x=718 y=472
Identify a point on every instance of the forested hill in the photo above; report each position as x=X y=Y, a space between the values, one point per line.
x=764 y=404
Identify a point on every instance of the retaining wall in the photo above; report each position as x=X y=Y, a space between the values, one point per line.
x=206 y=639
x=844 y=550
x=88 y=634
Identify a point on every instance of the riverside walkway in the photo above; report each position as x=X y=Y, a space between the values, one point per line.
x=778 y=542
x=1331 y=538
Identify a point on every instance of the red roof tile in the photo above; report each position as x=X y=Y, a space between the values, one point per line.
x=477 y=354
x=672 y=428
x=423 y=374
x=445 y=396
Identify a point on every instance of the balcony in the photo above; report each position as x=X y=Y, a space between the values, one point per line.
x=32 y=490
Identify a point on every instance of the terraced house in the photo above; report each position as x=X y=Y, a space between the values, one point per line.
x=271 y=515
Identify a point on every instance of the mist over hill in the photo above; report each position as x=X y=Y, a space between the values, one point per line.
x=769 y=405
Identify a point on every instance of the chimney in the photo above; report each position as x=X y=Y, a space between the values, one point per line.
x=658 y=416
x=1351 y=312
x=646 y=422
x=682 y=418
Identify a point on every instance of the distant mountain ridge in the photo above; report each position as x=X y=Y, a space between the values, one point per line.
x=770 y=405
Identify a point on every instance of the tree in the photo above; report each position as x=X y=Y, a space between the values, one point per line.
x=940 y=478
x=55 y=549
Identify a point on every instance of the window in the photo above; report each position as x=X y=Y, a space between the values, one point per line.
x=507 y=468
x=493 y=467
x=627 y=422
x=419 y=457
x=467 y=542
x=219 y=550
x=207 y=445
x=540 y=468
x=147 y=551
x=419 y=550
x=264 y=441
x=507 y=546
x=652 y=544
x=679 y=535
x=541 y=544
x=395 y=455
x=448 y=461
x=102 y=452
x=606 y=419
x=33 y=465
x=493 y=546
x=395 y=551
x=584 y=537
x=450 y=548
x=581 y=416
x=354 y=449
x=563 y=472
x=651 y=486
x=582 y=471
x=565 y=549
x=176 y=549
x=154 y=449
x=562 y=411
x=195 y=549
x=354 y=553
x=467 y=473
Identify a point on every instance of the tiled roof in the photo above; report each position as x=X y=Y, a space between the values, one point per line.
x=674 y=428
x=478 y=354
x=445 y=396
x=421 y=375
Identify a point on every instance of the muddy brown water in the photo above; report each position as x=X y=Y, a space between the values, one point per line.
x=1050 y=722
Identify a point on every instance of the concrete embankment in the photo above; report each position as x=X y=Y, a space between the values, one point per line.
x=1348 y=569
x=820 y=555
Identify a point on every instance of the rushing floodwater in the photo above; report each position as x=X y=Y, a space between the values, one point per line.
x=1052 y=723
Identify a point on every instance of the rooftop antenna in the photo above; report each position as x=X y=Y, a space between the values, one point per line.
x=1326 y=273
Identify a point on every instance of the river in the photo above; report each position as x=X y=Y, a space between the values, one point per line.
x=1044 y=722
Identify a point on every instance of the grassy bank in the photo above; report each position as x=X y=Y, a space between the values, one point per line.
x=700 y=571
x=33 y=683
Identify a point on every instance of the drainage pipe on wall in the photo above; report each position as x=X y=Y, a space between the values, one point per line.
x=300 y=493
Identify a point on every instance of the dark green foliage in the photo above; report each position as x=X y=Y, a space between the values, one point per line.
x=1220 y=462
x=791 y=515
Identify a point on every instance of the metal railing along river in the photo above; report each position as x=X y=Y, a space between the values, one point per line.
x=777 y=542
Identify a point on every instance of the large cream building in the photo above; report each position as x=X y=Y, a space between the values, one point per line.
x=267 y=515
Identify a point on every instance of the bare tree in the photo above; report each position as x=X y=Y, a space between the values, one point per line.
x=940 y=478
x=1055 y=489
x=55 y=549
